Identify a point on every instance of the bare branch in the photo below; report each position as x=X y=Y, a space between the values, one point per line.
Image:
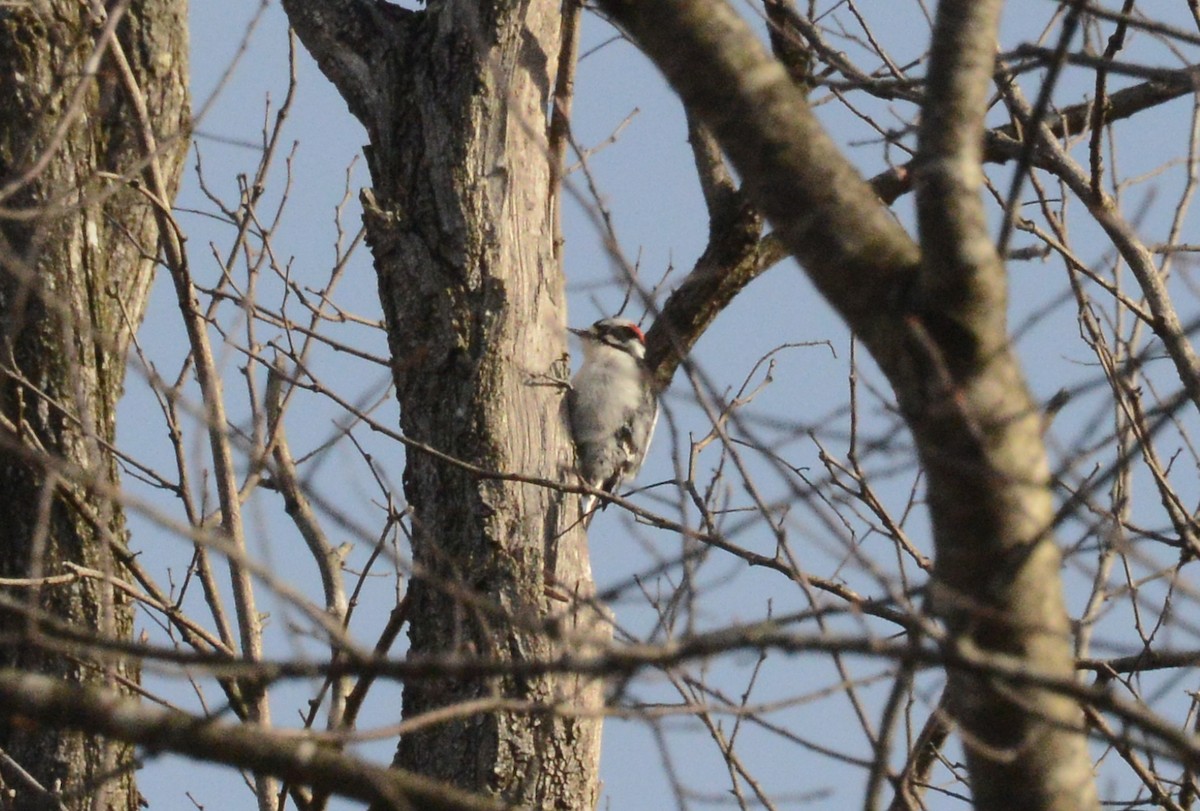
x=296 y=758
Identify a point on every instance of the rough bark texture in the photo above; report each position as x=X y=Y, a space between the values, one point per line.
x=460 y=221
x=933 y=319
x=76 y=261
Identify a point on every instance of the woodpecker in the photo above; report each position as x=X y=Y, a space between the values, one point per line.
x=612 y=405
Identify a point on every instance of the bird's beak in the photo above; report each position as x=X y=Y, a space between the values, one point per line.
x=582 y=333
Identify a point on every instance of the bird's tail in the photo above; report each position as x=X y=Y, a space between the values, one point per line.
x=588 y=510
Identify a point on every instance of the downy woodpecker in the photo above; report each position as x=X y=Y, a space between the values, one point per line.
x=612 y=404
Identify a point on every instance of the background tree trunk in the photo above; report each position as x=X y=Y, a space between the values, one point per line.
x=934 y=317
x=460 y=221
x=77 y=248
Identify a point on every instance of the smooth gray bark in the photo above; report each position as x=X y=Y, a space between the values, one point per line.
x=933 y=318
x=989 y=491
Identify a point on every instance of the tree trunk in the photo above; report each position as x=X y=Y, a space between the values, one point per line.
x=460 y=221
x=979 y=435
x=77 y=242
x=934 y=318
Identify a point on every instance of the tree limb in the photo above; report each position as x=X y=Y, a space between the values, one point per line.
x=354 y=43
x=44 y=701
x=850 y=244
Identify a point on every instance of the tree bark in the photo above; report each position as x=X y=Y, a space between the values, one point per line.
x=997 y=575
x=933 y=317
x=461 y=224
x=77 y=248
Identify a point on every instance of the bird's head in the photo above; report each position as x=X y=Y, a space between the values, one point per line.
x=618 y=333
